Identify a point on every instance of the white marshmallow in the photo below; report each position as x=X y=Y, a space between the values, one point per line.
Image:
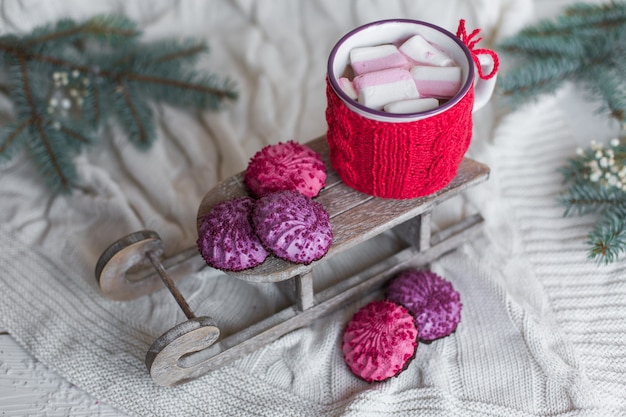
x=412 y=106
x=375 y=89
x=348 y=88
x=375 y=58
x=439 y=82
x=419 y=50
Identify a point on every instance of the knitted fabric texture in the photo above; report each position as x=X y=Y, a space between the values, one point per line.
x=398 y=160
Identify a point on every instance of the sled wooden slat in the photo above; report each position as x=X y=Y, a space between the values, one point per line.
x=197 y=346
x=355 y=217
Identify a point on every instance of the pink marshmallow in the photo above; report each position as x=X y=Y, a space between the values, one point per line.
x=420 y=51
x=375 y=58
x=439 y=82
x=375 y=89
x=348 y=88
x=412 y=106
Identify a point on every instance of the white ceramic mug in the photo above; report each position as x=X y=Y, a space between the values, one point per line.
x=392 y=155
x=397 y=30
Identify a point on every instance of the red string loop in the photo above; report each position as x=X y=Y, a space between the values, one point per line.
x=470 y=41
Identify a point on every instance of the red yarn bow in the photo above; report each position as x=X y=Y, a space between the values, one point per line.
x=469 y=40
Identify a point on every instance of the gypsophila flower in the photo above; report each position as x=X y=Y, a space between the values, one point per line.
x=605 y=166
x=595 y=181
x=67 y=73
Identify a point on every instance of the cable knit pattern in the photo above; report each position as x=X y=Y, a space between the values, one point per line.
x=543 y=329
x=398 y=160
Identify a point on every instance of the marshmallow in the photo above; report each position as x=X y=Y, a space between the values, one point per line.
x=375 y=89
x=439 y=82
x=348 y=88
x=375 y=58
x=420 y=51
x=412 y=106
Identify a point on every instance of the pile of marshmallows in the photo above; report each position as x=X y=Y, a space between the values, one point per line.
x=410 y=78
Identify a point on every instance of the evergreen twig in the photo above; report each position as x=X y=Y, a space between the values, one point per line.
x=608 y=239
x=66 y=79
x=595 y=183
x=586 y=44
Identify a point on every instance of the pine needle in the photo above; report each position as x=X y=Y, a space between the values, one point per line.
x=586 y=44
x=67 y=78
x=595 y=183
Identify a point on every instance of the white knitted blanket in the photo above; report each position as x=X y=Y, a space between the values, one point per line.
x=543 y=329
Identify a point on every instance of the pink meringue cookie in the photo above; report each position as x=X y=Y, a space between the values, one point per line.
x=285 y=166
x=292 y=226
x=433 y=300
x=226 y=239
x=380 y=341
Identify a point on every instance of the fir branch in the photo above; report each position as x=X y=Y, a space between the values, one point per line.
x=95 y=94
x=603 y=15
x=576 y=169
x=66 y=79
x=532 y=44
x=110 y=28
x=186 y=51
x=537 y=77
x=173 y=54
x=596 y=183
x=581 y=17
x=46 y=147
x=584 y=198
x=586 y=44
x=226 y=92
x=608 y=239
x=27 y=90
x=206 y=87
x=12 y=137
x=190 y=52
x=77 y=136
x=135 y=115
x=604 y=81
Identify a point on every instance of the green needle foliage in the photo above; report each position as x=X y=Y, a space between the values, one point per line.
x=586 y=45
x=66 y=79
x=596 y=183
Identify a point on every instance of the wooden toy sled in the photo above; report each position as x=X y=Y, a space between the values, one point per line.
x=132 y=267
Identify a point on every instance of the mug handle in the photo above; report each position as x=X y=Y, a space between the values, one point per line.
x=483 y=88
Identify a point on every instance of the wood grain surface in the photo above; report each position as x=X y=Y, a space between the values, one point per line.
x=355 y=217
x=181 y=355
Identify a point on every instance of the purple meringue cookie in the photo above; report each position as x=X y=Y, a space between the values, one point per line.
x=226 y=238
x=292 y=226
x=433 y=300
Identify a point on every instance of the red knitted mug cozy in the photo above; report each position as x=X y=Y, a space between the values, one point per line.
x=403 y=160
x=398 y=160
